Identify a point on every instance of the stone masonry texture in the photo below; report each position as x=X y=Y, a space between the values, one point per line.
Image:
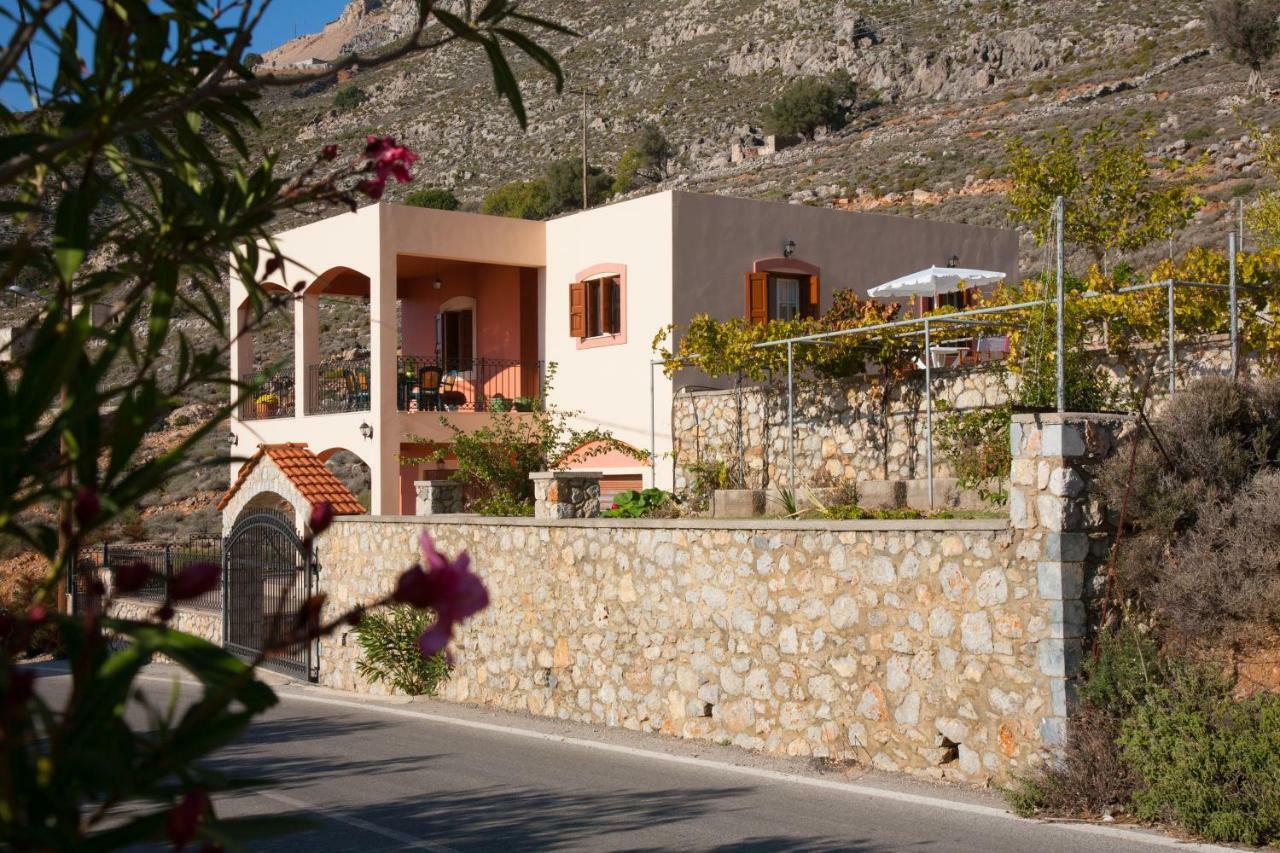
x=847 y=430
x=906 y=645
x=942 y=647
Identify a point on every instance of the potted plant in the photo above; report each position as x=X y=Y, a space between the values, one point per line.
x=524 y=404
x=267 y=406
x=499 y=403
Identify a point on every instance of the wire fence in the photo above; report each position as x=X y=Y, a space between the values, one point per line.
x=942 y=332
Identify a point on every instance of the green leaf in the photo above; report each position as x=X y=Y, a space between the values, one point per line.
x=71 y=231
x=456 y=25
x=505 y=81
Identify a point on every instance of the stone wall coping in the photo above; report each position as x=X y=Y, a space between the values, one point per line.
x=178 y=606
x=1068 y=417
x=566 y=475
x=437 y=483
x=760 y=524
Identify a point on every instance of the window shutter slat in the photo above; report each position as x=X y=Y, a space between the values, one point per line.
x=758 y=297
x=813 y=305
x=578 y=309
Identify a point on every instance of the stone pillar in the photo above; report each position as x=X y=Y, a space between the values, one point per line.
x=1050 y=501
x=566 y=494
x=437 y=497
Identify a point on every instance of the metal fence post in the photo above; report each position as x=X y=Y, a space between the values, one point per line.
x=168 y=563
x=1235 y=307
x=1170 y=333
x=1061 y=215
x=653 y=428
x=928 y=408
x=791 y=418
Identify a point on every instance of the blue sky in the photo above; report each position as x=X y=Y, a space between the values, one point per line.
x=283 y=20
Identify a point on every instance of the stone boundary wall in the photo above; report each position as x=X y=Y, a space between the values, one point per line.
x=925 y=646
x=191 y=620
x=842 y=429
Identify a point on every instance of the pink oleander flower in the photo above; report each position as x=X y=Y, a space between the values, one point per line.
x=184 y=818
x=196 y=579
x=329 y=152
x=87 y=506
x=321 y=518
x=372 y=188
x=448 y=587
x=130 y=577
x=389 y=159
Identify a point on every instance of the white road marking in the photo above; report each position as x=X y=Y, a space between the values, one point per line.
x=1114 y=832
x=409 y=841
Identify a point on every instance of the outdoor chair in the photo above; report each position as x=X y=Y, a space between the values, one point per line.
x=357 y=388
x=429 y=388
x=451 y=397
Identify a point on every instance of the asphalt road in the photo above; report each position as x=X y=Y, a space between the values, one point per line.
x=426 y=775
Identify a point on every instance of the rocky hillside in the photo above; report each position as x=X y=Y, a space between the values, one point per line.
x=942 y=85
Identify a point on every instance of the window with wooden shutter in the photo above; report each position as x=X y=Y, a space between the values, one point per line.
x=757 y=289
x=578 y=309
x=813 y=300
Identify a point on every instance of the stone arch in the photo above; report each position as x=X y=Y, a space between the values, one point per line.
x=352 y=469
x=339 y=281
x=266 y=501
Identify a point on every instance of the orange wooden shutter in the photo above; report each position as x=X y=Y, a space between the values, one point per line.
x=578 y=309
x=813 y=306
x=758 y=297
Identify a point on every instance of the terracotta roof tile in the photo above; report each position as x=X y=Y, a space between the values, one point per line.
x=308 y=474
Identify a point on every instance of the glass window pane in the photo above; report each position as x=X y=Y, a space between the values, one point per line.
x=787 y=297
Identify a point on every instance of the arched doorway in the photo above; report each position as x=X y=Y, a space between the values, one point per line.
x=267 y=578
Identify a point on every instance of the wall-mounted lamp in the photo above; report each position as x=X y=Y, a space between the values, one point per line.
x=788 y=248
x=438 y=283
x=953 y=261
x=235 y=439
x=366 y=430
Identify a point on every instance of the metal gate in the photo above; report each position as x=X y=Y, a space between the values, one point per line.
x=266 y=578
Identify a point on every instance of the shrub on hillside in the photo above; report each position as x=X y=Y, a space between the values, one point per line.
x=519 y=200
x=646 y=161
x=1207 y=762
x=564 y=185
x=1162 y=739
x=349 y=97
x=437 y=198
x=1089 y=781
x=808 y=103
x=1194 y=495
x=1222 y=583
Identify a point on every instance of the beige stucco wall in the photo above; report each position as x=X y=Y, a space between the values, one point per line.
x=369 y=241
x=684 y=253
x=610 y=384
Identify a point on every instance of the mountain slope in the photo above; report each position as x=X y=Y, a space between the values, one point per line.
x=942 y=85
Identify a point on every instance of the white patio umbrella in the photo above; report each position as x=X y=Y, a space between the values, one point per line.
x=934 y=281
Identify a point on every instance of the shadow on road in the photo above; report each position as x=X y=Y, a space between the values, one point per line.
x=246 y=756
x=494 y=819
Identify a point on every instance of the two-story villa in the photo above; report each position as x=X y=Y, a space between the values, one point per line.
x=466 y=312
